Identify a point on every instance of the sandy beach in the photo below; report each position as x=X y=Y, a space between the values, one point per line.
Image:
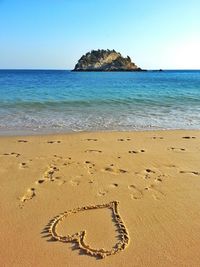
x=100 y=199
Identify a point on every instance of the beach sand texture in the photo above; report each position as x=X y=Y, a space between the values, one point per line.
x=100 y=199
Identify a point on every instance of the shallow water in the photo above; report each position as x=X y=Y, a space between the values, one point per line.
x=57 y=101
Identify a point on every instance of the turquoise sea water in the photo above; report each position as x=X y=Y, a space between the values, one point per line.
x=58 y=101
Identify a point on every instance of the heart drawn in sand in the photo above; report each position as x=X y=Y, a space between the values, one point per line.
x=79 y=237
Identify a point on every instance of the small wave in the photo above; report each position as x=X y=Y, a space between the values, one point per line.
x=65 y=101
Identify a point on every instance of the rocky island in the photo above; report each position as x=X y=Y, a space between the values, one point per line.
x=105 y=60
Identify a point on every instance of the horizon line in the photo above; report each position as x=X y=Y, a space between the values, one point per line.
x=63 y=69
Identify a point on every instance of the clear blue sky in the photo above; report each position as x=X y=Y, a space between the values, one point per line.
x=55 y=33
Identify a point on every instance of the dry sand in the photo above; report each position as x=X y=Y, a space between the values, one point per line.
x=120 y=199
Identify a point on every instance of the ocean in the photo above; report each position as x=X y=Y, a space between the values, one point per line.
x=55 y=101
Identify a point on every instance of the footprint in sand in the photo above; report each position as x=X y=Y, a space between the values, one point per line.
x=75 y=182
x=53 y=142
x=114 y=170
x=14 y=154
x=91 y=139
x=67 y=161
x=61 y=182
x=136 y=192
x=171 y=166
x=23 y=165
x=190 y=172
x=157 y=137
x=41 y=181
x=125 y=139
x=156 y=194
x=114 y=185
x=177 y=149
x=158 y=180
x=58 y=157
x=148 y=173
x=90 y=166
x=188 y=137
x=28 y=195
x=56 y=179
x=48 y=175
x=22 y=141
x=93 y=150
x=102 y=193
x=136 y=151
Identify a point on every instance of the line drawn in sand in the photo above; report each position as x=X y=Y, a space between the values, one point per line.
x=79 y=237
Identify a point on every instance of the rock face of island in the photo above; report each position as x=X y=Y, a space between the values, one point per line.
x=105 y=60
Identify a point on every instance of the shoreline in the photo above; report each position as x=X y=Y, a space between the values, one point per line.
x=51 y=133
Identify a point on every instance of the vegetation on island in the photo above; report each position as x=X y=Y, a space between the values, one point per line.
x=105 y=60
